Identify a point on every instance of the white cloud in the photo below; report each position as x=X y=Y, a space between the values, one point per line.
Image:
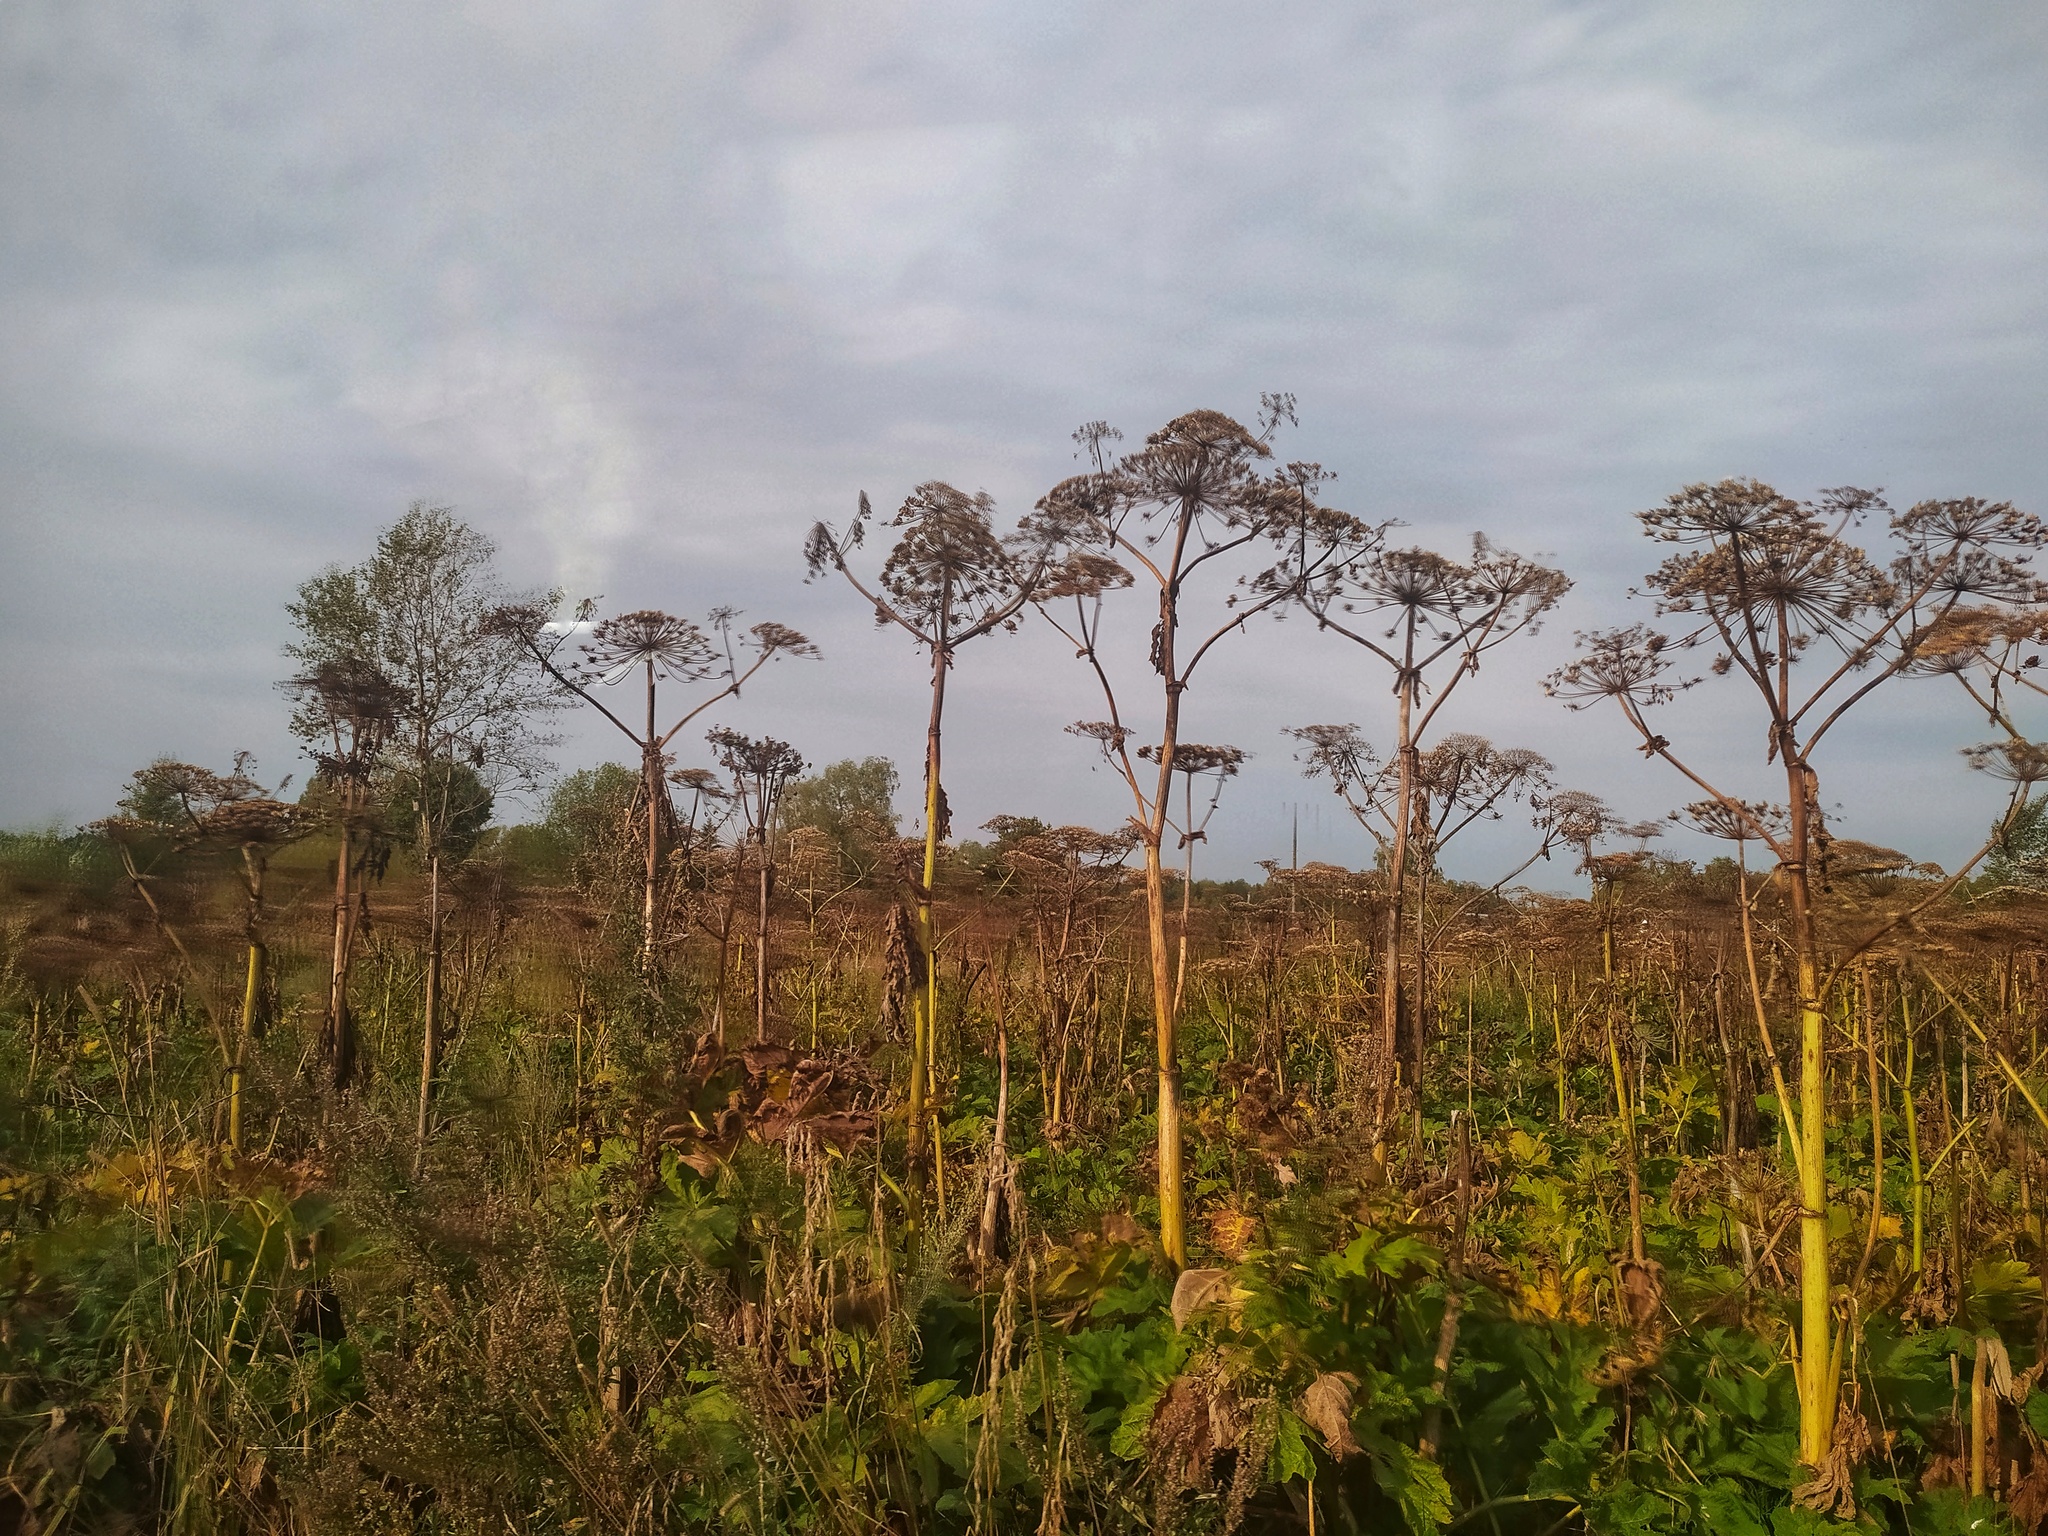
x=531 y=428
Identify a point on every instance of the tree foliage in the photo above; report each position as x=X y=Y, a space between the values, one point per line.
x=852 y=803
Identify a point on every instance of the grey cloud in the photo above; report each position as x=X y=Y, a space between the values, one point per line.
x=644 y=289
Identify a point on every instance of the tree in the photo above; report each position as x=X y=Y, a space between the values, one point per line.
x=581 y=819
x=760 y=771
x=852 y=804
x=949 y=579
x=1803 y=615
x=441 y=812
x=1183 y=507
x=421 y=609
x=2020 y=858
x=661 y=648
x=1441 y=618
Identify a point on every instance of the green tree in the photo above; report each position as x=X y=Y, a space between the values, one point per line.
x=2021 y=855
x=852 y=802
x=450 y=797
x=582 y=816
x=421 y=611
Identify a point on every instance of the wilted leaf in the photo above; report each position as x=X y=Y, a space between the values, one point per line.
x=1196 y=1417
x=2028 y=1498
x=762 y=1058
x=1122 y=1227
x=1642 y=1290
x=842 y=1127
x=1326 y=1405
x=1831 y=1490
x=1232 y=1230
x=1197 y=1290
x=61 y=1452
x=704 y=1158
x=2000 y=1364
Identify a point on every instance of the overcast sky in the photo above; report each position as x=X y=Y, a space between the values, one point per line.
x=643 y=290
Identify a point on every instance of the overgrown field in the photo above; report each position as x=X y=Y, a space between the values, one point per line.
x=643 y=1282
x=704 y=1156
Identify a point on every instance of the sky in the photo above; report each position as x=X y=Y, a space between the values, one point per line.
x=642 y=291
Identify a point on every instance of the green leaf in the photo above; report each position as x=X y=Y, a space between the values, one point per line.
x=1724 y=1510
x=1291 y=1456
x=1414 y=1483
x=1129 y=1439
x=1568 y=1462
x=1795 y=1521
x=101 y=1457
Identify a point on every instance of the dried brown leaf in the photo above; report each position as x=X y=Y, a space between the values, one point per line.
x=1326 y=1405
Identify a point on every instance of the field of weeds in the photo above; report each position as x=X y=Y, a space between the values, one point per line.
x=704 y=1156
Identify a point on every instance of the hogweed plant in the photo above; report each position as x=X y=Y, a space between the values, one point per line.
x=1431 y=622
x=647 y=1284
x=658 y=647
x=1786 y=602
x=1072 y=882
x=1181 y=513
x=1413 y=806
x=184 y=808
x=1192 y=761
x=760 y=770
x=949 y=579
x=347 y=712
